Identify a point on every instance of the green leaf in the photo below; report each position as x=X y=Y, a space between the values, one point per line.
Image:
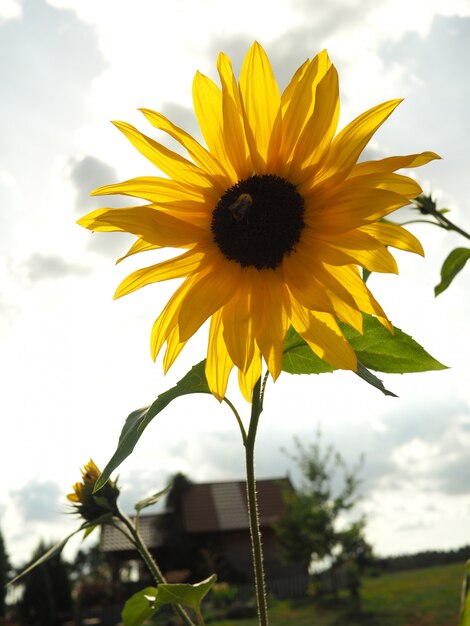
x=145 y=502
x=139 y=607
x=454 y=263
x=382 y=351
x=376 y=349
x=55 y=549
x=143 y=604
x=187 y=595
x=193 y=382
x=465 y=599
x=299 y=358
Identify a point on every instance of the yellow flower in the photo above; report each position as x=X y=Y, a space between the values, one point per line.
x=90 y=506
x=274 y=218
x=90 y=474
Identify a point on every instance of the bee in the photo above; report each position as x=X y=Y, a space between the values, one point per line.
x=241 y=207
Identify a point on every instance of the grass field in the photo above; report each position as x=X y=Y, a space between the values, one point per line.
x=425 y=597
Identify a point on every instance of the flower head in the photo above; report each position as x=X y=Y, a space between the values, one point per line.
x=274 y=219
x=93 y=506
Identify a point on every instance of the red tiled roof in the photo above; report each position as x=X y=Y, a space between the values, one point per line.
x=112 y=540
x=221 y=506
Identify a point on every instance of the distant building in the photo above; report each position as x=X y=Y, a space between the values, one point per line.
x=215 y=528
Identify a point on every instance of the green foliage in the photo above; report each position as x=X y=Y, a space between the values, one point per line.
x=465 y=599
x=376 y=349
x=47 y=589
x=422 y=597
x=454 y=263
x=308 y=529
x=193 y=382
x=142 y=605
x=182 y=549
x=223 y=595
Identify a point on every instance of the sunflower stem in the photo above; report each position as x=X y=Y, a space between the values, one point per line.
x=255 y=532
x=150 y=563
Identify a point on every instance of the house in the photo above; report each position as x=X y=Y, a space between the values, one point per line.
x=209 y=533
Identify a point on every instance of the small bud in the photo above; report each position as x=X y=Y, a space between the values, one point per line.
x=93 y=506
x=425 y=204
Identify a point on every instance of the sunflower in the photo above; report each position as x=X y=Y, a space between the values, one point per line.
x=273 y=218
x=89 y=506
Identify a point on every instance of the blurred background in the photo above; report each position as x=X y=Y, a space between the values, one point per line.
x=74 y=363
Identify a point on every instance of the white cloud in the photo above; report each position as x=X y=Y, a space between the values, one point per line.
x=10 y=10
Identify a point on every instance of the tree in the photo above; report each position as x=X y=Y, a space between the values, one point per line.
x=309 y=529
x=47 y=597
x=91 y=577
x=4 y=572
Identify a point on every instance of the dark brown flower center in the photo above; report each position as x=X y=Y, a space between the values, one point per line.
x=258 y=220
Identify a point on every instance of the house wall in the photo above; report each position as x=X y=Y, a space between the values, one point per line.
x=235 y=546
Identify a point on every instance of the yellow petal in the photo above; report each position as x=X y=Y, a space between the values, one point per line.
x=324 y=337
x=158 y=190
x=355 y=247
x=390 y=164
x=169 y=162
x=395 y=236
x=168 y=318
x=349 y=277
x=403 y=185
x=207 y=99
x=302 y=102
x=237 y=319
x=261 y=105
x=139 y=246
x=173 y=349
x=235 y=143
x=218 y=364
x=248 y=380
x=351 y=141
x=300 y=275
x=346 y=209
x=272 y=310
x=156 y=227
x=199 y=154
x=289 y=91
x=321 y=125
x=183 y=265
x=211 y=291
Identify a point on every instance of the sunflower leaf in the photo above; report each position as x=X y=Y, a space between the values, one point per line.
x=454 y=263
x=299 y=358
x=185 y=594
x=379 y=350
x=193 y=382
x=55 y=549
x=153 y=499
x=143 y=604
x=139 y=607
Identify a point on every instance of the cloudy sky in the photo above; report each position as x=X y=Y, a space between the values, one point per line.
x=74 y=363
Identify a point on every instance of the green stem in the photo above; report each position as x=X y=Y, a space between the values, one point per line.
x=258 y=566
x=238 y=418
x=151 y=564
x=450 y=225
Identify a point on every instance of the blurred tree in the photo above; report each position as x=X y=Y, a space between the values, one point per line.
x=91 y=577
x=47 y=597
x=309 y=529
